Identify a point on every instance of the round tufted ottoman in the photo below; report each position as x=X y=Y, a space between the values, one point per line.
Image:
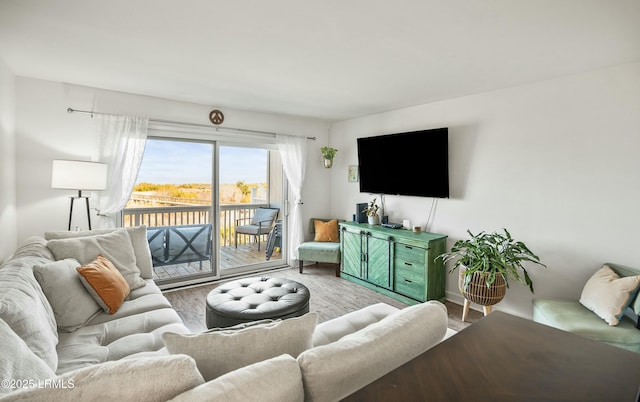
x=252 y=299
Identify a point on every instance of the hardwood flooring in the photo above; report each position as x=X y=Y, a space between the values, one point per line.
x=330 y=297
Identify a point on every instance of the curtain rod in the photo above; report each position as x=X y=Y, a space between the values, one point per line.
x=217 y=128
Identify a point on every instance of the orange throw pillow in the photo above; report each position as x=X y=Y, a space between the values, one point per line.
x=105 y=283
x=326 y=231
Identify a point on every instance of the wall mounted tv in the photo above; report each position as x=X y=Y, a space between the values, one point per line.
x=414 y=163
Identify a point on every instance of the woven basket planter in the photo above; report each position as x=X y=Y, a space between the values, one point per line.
x=478 y=292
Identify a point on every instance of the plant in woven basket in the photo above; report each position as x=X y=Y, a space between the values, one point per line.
x=487 y=261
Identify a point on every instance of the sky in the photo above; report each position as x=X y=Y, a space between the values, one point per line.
x=179 y=162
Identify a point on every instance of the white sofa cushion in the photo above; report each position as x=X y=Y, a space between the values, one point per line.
x=24 y=307
x=18 y=364
x=366 y=355
x=117 y=339
x=143 y=379
x=138 y=235
x=34 y=246
x=275 y=379
x=139 y=305
x=115 y=246
x=220 y=352
x=72 y=305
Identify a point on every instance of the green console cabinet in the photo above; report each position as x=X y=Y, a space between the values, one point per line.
x=396 y=262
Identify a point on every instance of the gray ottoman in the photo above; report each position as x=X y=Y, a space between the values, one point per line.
x=252 y=299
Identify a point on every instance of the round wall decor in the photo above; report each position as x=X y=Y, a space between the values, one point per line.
x=216 y=116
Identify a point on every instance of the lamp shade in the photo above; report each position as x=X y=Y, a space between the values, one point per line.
x=79 y=175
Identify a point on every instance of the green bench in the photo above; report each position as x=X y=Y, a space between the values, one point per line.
x=571 y=316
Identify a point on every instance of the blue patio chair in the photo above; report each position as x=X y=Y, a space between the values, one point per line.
x=259 y=225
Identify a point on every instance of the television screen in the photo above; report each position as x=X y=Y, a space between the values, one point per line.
x=414 y=163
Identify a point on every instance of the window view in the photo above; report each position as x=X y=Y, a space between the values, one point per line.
x=173 y=197
x=249 y=202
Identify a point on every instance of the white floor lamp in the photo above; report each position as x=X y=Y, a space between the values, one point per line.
x=80 y=176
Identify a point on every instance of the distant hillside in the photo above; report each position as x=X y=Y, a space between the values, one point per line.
x=195 y=193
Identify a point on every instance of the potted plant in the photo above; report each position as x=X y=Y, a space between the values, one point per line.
x=328 y=154
x=372 y=213
x=487 y=261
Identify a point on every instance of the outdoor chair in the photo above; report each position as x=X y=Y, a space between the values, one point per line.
x=260 y=224
x=172 y=245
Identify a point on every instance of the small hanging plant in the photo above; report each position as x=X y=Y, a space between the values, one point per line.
x=328 y=152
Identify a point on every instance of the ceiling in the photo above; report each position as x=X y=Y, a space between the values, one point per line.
x=329 y=59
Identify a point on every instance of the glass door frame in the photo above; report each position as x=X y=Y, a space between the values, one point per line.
x=180 y=132
x=265 y=265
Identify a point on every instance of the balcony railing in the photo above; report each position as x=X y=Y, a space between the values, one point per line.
x=194 y=215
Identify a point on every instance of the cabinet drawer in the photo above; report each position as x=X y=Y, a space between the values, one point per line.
x=409 y=270
x=411 y=254
x=409 y=288
x=409 y=278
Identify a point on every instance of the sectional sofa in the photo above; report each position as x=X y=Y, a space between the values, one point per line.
x=61 y=342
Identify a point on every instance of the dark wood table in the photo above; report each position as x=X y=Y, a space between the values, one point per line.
x=506 y=358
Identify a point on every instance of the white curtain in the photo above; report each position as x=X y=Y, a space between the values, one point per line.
x=293 y=151
x=122 y=141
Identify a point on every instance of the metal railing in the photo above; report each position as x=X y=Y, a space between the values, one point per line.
x=194 y=215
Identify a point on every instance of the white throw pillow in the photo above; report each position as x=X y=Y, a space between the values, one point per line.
x=138 y=235
x=139 y=379
x=220 y=352
x=18 y=364
x=608 y=295
x=276 y=379
x=72 y=305
x=115 y=246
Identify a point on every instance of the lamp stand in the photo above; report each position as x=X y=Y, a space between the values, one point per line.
x=86 y=198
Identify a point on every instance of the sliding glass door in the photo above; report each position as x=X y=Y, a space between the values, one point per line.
x=201 y=202
x=250 y=203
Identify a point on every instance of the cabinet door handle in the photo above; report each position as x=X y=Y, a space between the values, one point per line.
x=409 y=247
x=409 y=264
x=407 y=280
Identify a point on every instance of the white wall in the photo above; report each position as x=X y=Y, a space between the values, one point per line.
x=45 y=131
x=8 y=219
x=557 y=163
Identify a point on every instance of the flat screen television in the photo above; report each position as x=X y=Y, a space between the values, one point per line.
x=413 y=163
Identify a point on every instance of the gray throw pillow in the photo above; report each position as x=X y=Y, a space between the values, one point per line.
x=138 y=235
x=72 y=305
x=220 y=352
x=115 y=246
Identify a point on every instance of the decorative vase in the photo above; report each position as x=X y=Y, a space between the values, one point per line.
x=477 y=290
x=373 y=220
x=328 y=163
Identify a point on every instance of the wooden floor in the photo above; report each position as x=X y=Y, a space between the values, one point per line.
x=230 y=257
x=330 y=297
